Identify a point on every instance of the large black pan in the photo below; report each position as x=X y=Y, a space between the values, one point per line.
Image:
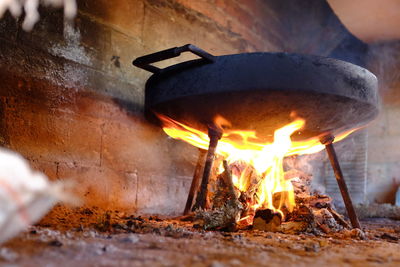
x=261 y=91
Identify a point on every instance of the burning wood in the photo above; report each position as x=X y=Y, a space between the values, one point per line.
x=313 y=213
x=249 y=187
x=227 y=176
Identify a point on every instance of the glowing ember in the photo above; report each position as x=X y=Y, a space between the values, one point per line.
x=265 y=158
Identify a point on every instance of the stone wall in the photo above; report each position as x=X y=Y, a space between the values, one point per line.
x=71 y=102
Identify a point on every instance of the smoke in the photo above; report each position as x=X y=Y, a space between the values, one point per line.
x=311 y=165
x=352 y=155
x=383 y=61
x=31 y=9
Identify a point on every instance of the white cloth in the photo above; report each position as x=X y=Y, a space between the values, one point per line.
x=25 y=195
x=31 y=9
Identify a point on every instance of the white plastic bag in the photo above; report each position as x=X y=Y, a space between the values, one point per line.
x=25 y=195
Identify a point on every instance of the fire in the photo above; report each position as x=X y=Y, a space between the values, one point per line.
x=273 y=191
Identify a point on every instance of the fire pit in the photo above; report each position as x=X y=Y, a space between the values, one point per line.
x=252 y=110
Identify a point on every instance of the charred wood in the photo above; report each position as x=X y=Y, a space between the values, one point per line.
x=227 y=209
x=223 y=218
x=339 y=218
x=215 y=134
x=228 y=181
x=194 y=187
x=267 y=220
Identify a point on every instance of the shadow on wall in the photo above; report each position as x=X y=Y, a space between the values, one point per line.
x=117 y=159
x=59 y=110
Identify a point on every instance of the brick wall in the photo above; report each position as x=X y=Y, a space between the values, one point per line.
x=71 y=102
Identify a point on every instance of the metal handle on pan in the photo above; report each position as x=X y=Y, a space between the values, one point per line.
x=145 y=61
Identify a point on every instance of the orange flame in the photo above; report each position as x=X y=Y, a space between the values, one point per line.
x=265 y=158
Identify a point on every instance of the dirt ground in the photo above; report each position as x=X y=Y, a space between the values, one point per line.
x=120 y=240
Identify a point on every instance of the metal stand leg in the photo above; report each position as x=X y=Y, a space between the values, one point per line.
x=215 y=134
x=327 y=141
x=194 y=187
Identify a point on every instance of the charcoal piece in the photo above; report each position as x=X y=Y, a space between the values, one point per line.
x=267 y=220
